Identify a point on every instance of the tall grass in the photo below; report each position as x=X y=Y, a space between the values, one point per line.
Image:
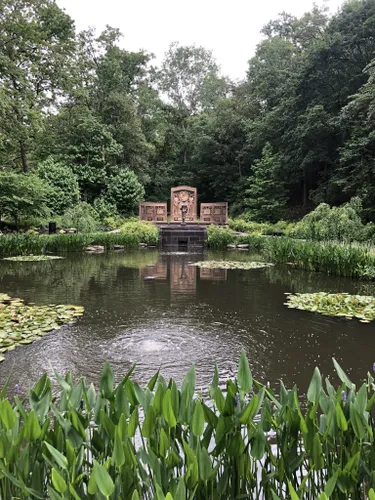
x=131 y=235
x=165 y=442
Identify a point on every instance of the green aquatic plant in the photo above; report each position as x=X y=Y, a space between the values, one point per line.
x=344 y=305
x=33 y=258
x=230 y=264
x=166 y=442
x=22 y=324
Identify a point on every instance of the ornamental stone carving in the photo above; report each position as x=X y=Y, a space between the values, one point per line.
x=214 y=213
x=183 y=198
x=153 y=212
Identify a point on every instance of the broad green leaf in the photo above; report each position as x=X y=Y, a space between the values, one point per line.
x=168 y=413
x=371 y=494
x=341 y=419
x=149 y=422
x=7 y=414
x=153 y=381
x=331 y=484
x=250 y=410
x=315 y=387
x=181 y=490
x=135 y=495
x=58 y=457
x=106 y=381
x=357 y=423
x=197 y=421
x=204 y=464
x=118 y=455
x=58 y=481
x=342 y=375
x=259 y=443
x=53 y=495
x=163 y=443
x=133 y=422
x=317 y=453
x=292 y=492
x=245 y=379
x=102 y=479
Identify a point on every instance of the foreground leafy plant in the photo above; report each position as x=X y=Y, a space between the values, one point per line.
x=22 y=324
x=33 y=258
x=229 y=264
x=164 y=442
x=335 y=304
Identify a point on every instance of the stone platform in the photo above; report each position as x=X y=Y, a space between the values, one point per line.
x=183 y=236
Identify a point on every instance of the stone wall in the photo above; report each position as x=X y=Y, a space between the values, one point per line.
x=153 y=212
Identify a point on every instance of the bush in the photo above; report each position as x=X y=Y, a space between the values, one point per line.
x=220 y=237
x=164 y=441
x=104 y=208
x=82 y=217
x=337 y=223
x=140 y=232
x=63 y=185
x=125 y=192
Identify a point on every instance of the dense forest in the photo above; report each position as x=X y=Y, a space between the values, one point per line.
x=84 y=122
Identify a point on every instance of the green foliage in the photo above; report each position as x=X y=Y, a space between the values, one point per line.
x=125 y=192
x=333 y=223
x=62 y=183
x=84 y=441
x=265 y=195
x=219 y=237
x=141 y=232
x=22 y=195
x=131 y=235
x=104 y=208
x=81 y=217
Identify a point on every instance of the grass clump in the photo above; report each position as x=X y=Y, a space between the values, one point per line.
x=335 y=304
x=140 y=232
x=22 y=324
x=220 y=237
x=244 y=441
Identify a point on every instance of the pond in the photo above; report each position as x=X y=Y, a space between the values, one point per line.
x=157 y=310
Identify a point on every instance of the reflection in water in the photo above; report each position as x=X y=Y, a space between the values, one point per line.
x=183 y=316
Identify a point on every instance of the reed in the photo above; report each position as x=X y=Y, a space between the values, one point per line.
x=166 y=442
x=130 y=235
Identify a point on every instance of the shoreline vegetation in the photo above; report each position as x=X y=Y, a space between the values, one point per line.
x=164 y=442
x=277 y=244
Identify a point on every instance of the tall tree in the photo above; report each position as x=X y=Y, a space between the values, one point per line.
x=37 y=41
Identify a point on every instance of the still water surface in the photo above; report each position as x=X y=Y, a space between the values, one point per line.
x=182 y=316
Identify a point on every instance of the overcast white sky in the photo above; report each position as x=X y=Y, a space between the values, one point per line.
x=230 y=28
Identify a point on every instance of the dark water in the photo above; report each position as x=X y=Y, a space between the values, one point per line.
x=183 y=316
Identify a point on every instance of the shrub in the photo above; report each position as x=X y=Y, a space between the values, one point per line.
x=220 y=237
x=125 y=192
x=82 y=217
x=22 y=195
x=104 y=208
x=337 y=223
x=140 y=232
x=63 y=185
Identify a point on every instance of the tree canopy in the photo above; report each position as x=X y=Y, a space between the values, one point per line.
x=296 y=132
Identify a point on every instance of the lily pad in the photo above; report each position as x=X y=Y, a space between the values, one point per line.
x=22 y=324
x=343 y=305
x=230 y=264
x=33 y=258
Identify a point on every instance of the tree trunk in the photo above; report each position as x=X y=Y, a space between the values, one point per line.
x=305 y=191
x=25 y=162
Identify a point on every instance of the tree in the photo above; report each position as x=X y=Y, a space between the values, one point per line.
x=125 y=191
x=62 y=183
x=190 y=78
x=265 y=197
x=22 y=195
x=37 y=42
